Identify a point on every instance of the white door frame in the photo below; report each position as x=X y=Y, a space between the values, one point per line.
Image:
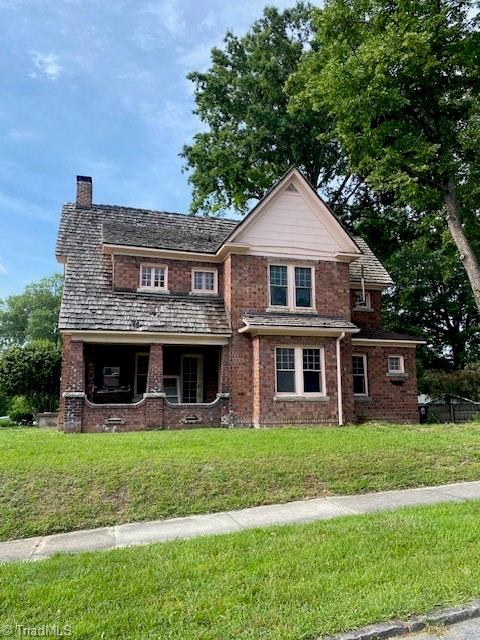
x=138 y=353
x=199 y=358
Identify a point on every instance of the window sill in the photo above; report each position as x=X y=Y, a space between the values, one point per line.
x=152 y=290
x=398 y=375
x=361 y=398
x=291 y=310
x=203 y=293
x=367 y=309
x=295 y=398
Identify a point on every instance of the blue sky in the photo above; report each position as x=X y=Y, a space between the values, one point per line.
x=97 y=87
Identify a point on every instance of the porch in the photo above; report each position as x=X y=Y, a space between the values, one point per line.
x=123 y=387
x=118 y=374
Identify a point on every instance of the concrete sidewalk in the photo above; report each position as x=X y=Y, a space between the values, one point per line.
x=138 y=533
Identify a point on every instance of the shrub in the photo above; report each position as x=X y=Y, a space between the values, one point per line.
x=33 y=371
x=21 y=411
x=464 y=383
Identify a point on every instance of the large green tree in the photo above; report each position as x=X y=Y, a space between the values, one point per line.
x=432 y=298
x=33 y=314
x=401 y=80
x=250 y=137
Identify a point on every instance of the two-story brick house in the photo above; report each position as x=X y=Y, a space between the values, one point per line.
x=171 y=320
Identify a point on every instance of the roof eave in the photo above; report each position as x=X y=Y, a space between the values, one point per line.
x=268 y=330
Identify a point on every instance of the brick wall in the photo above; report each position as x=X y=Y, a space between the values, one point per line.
x=271 y=411
x=371 y=318
x=246 y=289
x=126 y=273
x=114 y=418
x=195 y=416
x=388 y=400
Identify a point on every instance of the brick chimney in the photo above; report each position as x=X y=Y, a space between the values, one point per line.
x=84 y=192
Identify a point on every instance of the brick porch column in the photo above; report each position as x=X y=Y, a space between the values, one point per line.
x=154 y=398
x=224 y=386
x=256 y=381
x=72 y=385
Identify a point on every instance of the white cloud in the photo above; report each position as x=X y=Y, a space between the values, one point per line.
x=168 y=14
x=3 y=269
x=46 y=64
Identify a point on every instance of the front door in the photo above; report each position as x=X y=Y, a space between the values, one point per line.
x=192 y=378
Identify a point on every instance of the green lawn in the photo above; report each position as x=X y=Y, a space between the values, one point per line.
x=54 y=482
x=295 y=582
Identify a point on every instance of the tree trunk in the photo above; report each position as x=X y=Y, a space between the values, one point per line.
x=467 y=256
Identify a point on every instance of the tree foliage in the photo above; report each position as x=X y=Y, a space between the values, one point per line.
x=401 y=81
x=432 y=298
x=33 y=314
x=464 y=383
x=251 y=138
x=33 y=371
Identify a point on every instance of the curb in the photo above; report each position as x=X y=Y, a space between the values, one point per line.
x=395 y=628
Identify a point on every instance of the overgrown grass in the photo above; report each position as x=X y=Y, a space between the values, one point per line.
x=284 y=583
x=6 y=422
x=54 y=482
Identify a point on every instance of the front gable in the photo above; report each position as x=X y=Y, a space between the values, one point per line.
x=293 y=221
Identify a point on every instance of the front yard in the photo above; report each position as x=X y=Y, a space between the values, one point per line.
x=283 y=583
x=54 y=482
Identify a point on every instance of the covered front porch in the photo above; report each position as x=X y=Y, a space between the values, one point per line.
x=118 y=374
x=122 y=387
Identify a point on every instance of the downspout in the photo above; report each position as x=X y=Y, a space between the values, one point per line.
x=339 y=380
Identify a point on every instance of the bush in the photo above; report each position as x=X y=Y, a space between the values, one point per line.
x=32 y=371
x=464 y=383
x=21 y=411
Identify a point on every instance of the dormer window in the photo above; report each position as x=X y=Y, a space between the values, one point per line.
x=361 y=302
x=153 y=277
x=291 y=287
x=204 y=281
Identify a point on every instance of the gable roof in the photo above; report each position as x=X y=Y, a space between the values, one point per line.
x=311 y=226
x=89 y=301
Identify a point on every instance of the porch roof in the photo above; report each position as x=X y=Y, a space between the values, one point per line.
x=296 y=323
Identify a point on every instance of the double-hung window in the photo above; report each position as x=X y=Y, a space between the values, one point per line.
x=278 y=286
x=285 y=370
x=360 y=379
x=204 y=281
x=291 y=287
x=303 y=287
x=300 y=371
x=362 y=302
x=396 y=364
x=153 y=277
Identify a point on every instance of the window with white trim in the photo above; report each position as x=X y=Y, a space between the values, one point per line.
x=300 y=371
x=153 y=277
x=359 y=370
x=361 y=302
x=204 y=280
x=303 y=287
x=396 y=364
x=291 y=287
